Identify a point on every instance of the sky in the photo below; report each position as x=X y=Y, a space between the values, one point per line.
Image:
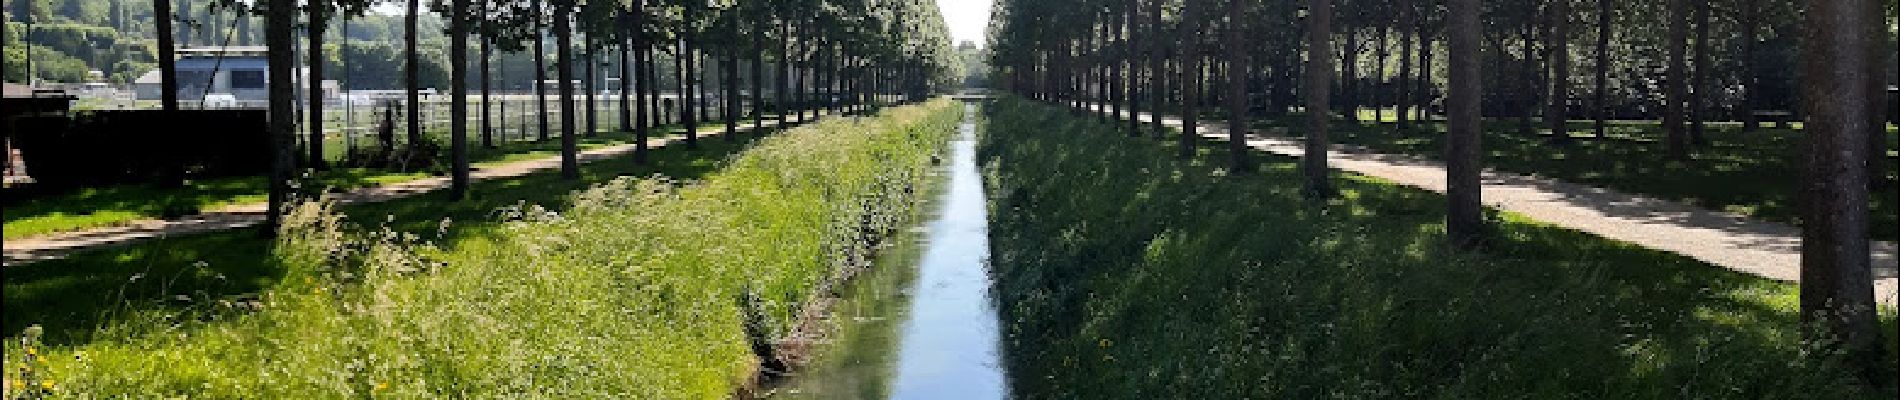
x=967 y=19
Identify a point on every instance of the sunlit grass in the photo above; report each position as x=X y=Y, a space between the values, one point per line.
x=630 y=292
x=121 y=204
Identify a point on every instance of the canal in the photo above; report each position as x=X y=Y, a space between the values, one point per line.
x=920 y=324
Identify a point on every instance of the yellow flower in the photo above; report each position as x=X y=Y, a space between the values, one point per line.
x=48 y=385
x=380 y=386
x=17 y=384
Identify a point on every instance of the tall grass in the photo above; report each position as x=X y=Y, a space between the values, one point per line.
x=632 y=292
x=1125 y=272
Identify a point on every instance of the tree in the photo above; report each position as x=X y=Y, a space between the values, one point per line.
x=1319 y=77
x=1837 y=303
x=458 y=97
x=1677 y=92
x=277 y=37
x=1190 y=38
x=1556 y=112
x=1237 y=68
x=413 y=71
x=1464 y=216
x=564 y=65
x=1601 y=107
x=167 y=59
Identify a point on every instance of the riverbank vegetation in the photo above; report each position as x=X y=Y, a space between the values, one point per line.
x=634 y=291
x=1125 y=272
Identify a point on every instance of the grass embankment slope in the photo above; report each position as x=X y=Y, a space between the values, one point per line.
x=72 y=296
x=116 y=205
x=1748 y=173
x=632 y=292
x=1124 y=272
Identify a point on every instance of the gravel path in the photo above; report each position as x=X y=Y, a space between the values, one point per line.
x=27 y=250
x=1762 y=248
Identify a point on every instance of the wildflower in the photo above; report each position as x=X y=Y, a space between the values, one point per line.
x=47 y=384
x=380 y=386
x=17 y=385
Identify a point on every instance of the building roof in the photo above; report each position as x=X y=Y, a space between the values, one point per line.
x=224 y=51
x=149 y=78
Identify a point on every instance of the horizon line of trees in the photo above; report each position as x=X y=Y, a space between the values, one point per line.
x=1515 y=62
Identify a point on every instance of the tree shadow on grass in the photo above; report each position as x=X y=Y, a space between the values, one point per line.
x=202 y=275
x=1123 y=272
x=1748 y=173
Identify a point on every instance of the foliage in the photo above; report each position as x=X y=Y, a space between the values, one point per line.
x=629 y=293
x=1122 y=272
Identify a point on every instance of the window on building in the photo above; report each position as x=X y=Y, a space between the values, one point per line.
x=247 y=79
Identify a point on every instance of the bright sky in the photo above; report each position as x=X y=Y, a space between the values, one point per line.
x=967 y=19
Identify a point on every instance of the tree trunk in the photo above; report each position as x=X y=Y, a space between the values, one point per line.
x=1157 y=57
x=1556 y=111
x=1319 y=78
x=1131 y=55
x=688 y=86
x=590 y=61
x=1837 y=302
x=540 y=74
x=643 y=55
x=488 y=128
x=758 y=82
x=1527 y=79
x=1700 y=93
x=564 y=66
x=1674 y=95
x=1750 y=22
x=277 y=35
x=412 y=68
x=730 y=104
x=1401 y=103
x=167 y=60
x=1237 y=68
x=1190 y=76
x=1605 y=12
x=1464 y=216
x=314 y=82
x=626 y=75
x=458 y=98
x=1378 y=74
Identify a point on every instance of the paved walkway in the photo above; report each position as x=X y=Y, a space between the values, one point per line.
x=27 y=250
x=1767 y=249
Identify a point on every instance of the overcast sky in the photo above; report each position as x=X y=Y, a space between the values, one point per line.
x=967 y=19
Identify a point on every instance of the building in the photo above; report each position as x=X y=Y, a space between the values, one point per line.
x=242 y=72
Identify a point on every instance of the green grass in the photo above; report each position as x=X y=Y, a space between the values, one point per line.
x=628 y=291
x=1123 y=272
x=121 y=204
x=1748 y=173
x=66 y=296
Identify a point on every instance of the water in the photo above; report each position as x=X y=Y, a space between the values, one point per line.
x=937 y=284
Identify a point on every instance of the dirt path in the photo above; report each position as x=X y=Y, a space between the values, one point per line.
x=1762 y=248
x=27 y=250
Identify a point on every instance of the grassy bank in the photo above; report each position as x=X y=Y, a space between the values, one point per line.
x=120 y=204
x=1123 y=272
x=71 y=297
x=632 y=292
x=1748 y=173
